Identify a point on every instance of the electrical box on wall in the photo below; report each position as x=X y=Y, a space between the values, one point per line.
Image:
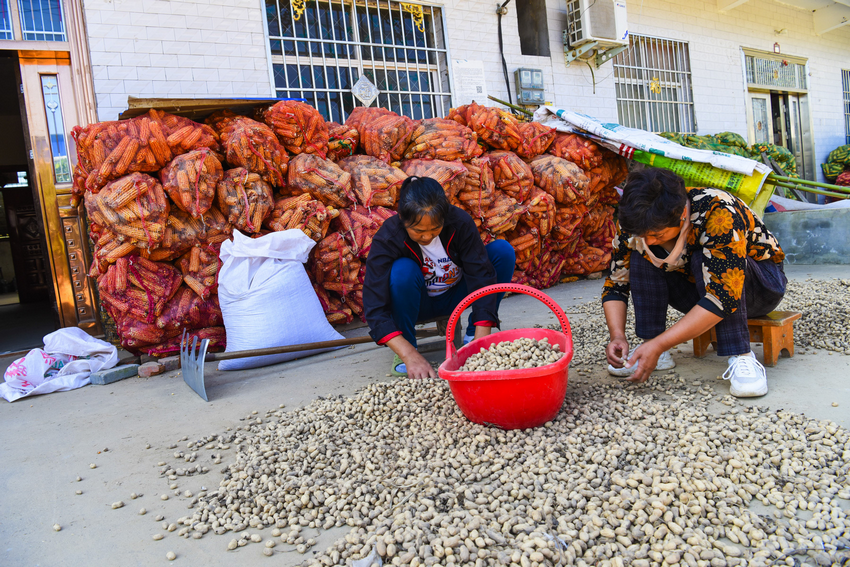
x=529 y=86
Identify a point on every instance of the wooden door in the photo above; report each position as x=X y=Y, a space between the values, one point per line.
x=51 y=112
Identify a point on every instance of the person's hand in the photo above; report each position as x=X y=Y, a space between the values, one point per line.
x=646 y=357
x=418 y=367
x=617 y=351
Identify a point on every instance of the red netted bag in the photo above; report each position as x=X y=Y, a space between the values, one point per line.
x=536 y=139
x=546 y=268
x=136 y=336
x=503 y=215
x=302 y=213
x=450 y=174
x=461 y=113
x=362 y=114
x=190 y=180
x=581 y=151
x=299 y=127
x=495 y=127
x=245 y=198
x=183 y=231
x=384 y=136
x=512 y=175
x=343 y=140
x=188 y=311
x=336 y=312
x=335 y=266
x=322 y=179
x=359 y=225
x=138 y=287
x=254 y=146
x=170 y=347
x=520 y=277
x=109 y=150
x=78 y=189
x=541 y=211
x=439 y=138
x=134 y=207
x=586 y=260
x=597 y=225
x=200 y=267
x=374 y=182
x=560 y=178
x=843 y=179
x=566 y=233
x=476 y=194
x=526 y=242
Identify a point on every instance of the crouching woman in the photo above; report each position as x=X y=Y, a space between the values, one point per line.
x=421 y=265
x=701 y=251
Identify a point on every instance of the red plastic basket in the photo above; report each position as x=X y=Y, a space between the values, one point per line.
x=509 y=399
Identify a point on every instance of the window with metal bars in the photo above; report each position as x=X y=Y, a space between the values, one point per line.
x=845 y=82
x=653 y=85
x=5 y=20
x=42 y=20
x=774 y=72
x=320 y=48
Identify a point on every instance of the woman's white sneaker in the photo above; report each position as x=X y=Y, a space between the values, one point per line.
x=665 y=362
x=746 y=376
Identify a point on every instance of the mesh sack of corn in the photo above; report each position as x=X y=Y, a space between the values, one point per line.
x=334 y=265
x=461 y=113
x=495 y=127
x=245 y=199
x=526 y=243
x=137 y=336
x=190 y=180
x=385 y=136
x=560 y=178
x=586 y=260
x=359 y=225
x=322 y=179
x=169 y=347
x=843 y=179
x=108 y=247
x=439 y=138
x=301 y=213
x=521 y=277
x=299 y=127
x=512 y=175
x=182 y=231
x=188 y=311
x=581 y=151
x=536 y=139
x=361 y=114
x=134 y=207
x=374 y=182
x=566 y=233
x=199 y=267
x=598 y=228
x=837 y=161
x=138 y=287
x=450 y=174
x=503 y=215
x=546 y=267
x=541 y=211
x=336 y=311
x=108 y=150
x=78 y=189
x=476 y=194
x=343 y=140
x=254 y=146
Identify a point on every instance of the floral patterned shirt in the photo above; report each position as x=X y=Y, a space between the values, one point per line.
x=725 y=231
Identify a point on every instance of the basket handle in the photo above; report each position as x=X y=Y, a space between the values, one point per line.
x=451 y=351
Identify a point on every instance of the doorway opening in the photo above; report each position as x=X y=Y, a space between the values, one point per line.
x=27 y=311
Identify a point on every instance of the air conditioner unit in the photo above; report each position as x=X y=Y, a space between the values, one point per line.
x=602 y=21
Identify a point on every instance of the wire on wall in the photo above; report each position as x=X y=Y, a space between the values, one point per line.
x=501 y=9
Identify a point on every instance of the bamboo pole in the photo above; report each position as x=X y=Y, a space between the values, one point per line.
x=511 y=106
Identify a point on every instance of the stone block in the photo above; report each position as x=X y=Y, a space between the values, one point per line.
x=104 y=377
x=170 y=363
x=149 y=369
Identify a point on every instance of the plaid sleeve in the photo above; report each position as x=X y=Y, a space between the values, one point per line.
x=724 y=248
x=617 y=284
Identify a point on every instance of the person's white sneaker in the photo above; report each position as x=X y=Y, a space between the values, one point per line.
x=468 y=339
x=665 y=362
x=746 y=376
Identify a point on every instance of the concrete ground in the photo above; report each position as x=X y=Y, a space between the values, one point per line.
x=48 y=441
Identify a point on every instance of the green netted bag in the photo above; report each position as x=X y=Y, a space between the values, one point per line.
x=837 y=162
x=780 y=155
x=730 y=139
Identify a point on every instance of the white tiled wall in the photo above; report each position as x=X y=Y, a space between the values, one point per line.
x=185 y=48
x=175 y=48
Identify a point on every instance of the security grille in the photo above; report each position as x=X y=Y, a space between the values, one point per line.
x=845 y=81
x=5 y=20
x=653 y=84
x=775 y=73
x=320 y=48
x=42 y=20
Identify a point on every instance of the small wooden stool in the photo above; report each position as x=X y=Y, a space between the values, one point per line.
x=775 y=330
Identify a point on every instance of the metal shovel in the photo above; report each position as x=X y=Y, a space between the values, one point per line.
x=193 y=355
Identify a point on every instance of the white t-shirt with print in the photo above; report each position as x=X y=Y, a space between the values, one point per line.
x=439 y=270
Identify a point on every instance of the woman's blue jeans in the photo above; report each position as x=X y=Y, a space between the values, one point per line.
x=411 y=302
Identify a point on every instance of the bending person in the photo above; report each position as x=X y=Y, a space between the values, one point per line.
x=701 y=251
x=422 y=263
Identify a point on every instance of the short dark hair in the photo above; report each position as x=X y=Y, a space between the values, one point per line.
x=653 y=199
x=422 y=197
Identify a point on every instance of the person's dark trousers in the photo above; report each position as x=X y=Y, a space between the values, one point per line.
x=653 y=289
x=411 y=302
